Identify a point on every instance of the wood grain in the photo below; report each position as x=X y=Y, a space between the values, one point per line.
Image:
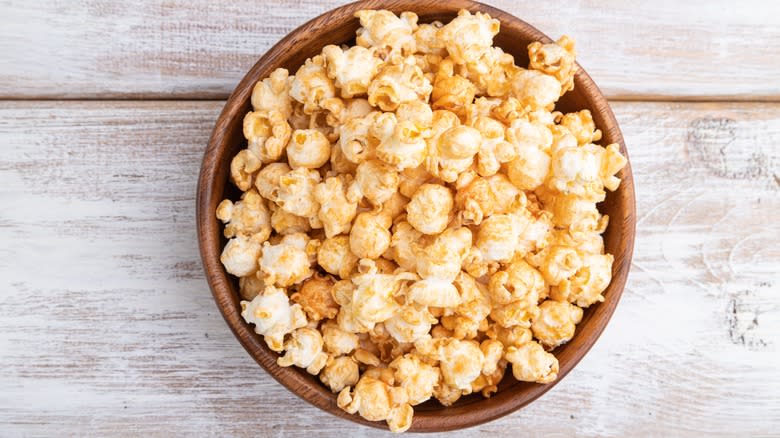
x=200 y=48
x=108 y=326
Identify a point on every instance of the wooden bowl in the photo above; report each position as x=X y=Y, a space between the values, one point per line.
x=336 y=27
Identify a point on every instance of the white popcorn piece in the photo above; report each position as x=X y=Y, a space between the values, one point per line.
x=304 y=350
x=308 y=148
x=240 y=255
x=248 y=217
x=273 y=316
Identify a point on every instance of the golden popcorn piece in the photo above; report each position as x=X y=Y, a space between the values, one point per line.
x=267 y=134
x=308 y=148
x=418 y=378
x=352 y=70
x=315 y=298
x=391 y=35
x=452 y=207
x=284 y=264
x=336 y=210
x=311 y=85
x=451 y=92
x=248 y=217
x=273 y=316
x=373 y=300
x=296 y=193
x=339 y=373
x=376 y=181
x=556 y=323
x=273 y=93
x=410 y=323
x=555 y=59
x=284 y=223
x=468 y=37
x=494 y=149
x=243 y=168
x=355 y=142
x=370 y=235
x=442 y=258
x=376 y=400
x=584 y=288
x=267 y=180
x=429 y=209
x=338 y=342
x=401 y=142
x=581 y=126
x=535 y=90
x=399 y=83
x=530 y=363
x=240 y=255
x=304 y=350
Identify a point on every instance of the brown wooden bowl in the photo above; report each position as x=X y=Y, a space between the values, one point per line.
x=336 y=27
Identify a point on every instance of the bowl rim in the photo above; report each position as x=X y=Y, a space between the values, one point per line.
x=219 y=280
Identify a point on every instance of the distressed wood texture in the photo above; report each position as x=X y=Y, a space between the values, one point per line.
x=200 y=49
x=108 y=326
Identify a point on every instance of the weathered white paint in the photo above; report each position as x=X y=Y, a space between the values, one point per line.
x=200 y=48
x=108 y=327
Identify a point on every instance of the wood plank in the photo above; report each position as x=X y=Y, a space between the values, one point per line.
x=108 y=327
x=200 y=49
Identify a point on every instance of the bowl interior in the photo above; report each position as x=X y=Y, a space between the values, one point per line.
x=338 y=27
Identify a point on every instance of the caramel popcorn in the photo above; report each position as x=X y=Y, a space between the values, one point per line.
x=416 y=216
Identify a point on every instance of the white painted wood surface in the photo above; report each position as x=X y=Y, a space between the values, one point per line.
x=108 y=327
x=634 y=49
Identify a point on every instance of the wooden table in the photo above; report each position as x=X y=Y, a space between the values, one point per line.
x=107 y=326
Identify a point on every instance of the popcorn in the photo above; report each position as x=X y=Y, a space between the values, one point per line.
x=267 y=180
x=267 y=134
x=243 y=167
x=337 y=210
x=273 y=316
x=494 y=150
x=315 y=298
x=375 y=400
x=530 y=363
x=284 y=264
x=468 y=37
x=399 y=83
x=429 y=209
x=373 y=297
x=336 y=257
x=586 y=286
x=433 y=292
x=339 y=373
x=414 y=375
x=247 y=217
x=285 y=223
x=416 y=215
x=460 y=362
x=376 y=181
x=370 y=237
x=388 y=33
x=402 y=145
x=450 y=91
x=296 y=192
x=240 y=255
x=410 y=323
x=535 y=90
x=311 y=85
x=443 y=257
x=273 y=94
x=308 y=148
x=555 y=323
x=555 y=59
x=304 y=350
x=351 y=70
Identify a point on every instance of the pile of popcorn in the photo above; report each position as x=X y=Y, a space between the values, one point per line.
x=416 y=216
